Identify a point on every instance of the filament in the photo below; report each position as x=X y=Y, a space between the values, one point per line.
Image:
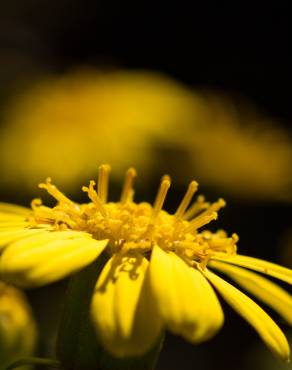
x=199 y=205
x=92 y=194
x=54 y=191
x=103 y=179
x=127 y=191
x=192 y=188
x=160 y=198
x=200 y=221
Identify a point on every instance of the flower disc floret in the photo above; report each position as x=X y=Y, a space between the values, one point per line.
x=138 y=227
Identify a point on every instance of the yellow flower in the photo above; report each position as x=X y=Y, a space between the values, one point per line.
x=17 y=326
x=159 y=274
x=241 y=152
x=143 y=117
x=111 y=117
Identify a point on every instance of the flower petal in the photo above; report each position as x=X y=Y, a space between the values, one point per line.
x=5 y=217
x=186 y=300
x=265 y=290
x=41 y=238
x=7 y=236
x=265 y=267
x=14 y=209
x=13 y=225
x=48 y=256
x=255 y=315
x=123 y=309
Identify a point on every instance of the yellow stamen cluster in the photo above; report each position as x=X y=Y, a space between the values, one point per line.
x=137 y=227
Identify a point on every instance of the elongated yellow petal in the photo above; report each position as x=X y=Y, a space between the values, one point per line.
x=252 y=313
x=47 y=257
x=13 y=225
x=80 y=253
x=8 y=236
x=268 y=268
x=186 y=301
x=265 y=290
x=123 y=309
x=12 y=220
x=38 y=238
x=4 y=217
x=14 y=209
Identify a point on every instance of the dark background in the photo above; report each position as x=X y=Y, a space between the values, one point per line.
x=242 y=50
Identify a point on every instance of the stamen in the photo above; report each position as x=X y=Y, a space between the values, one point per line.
x=200 y=221
x=131 y=195
x=215 y=207
x=207 y=216
x=103 y=178
x=166 y=177
x=235 y=238
x=199 y=205
x=36 y=203
x=127 y=192
x=137 y=227
x=160 y=198
x=54 y=191
x=223 y=244
x=193 y=186
x=92 y=194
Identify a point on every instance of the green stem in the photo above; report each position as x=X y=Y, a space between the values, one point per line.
x=76 y=342
x=54 y=364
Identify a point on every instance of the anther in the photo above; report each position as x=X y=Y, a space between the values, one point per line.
x=192 y=188
x=214 y=207
x=235 y=238
x=160 y=198
x=36 y=203
x=166 y=177
x=103 y=179
x=54 y=191
x=127 y=190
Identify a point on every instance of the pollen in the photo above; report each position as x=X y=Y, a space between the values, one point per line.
x=138 y=227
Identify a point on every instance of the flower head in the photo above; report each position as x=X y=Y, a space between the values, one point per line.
x=261 y=151
x=144 y=117
x=111 y=116
x=159 y=274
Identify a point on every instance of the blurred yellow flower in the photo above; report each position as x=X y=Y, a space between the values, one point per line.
x=17 y=326
x=242 y=152
x=159 y=270
x=64 y=125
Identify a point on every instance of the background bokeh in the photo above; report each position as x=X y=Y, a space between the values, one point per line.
x=226 y=71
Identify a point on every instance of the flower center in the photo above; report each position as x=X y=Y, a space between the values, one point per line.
x=137 y=227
